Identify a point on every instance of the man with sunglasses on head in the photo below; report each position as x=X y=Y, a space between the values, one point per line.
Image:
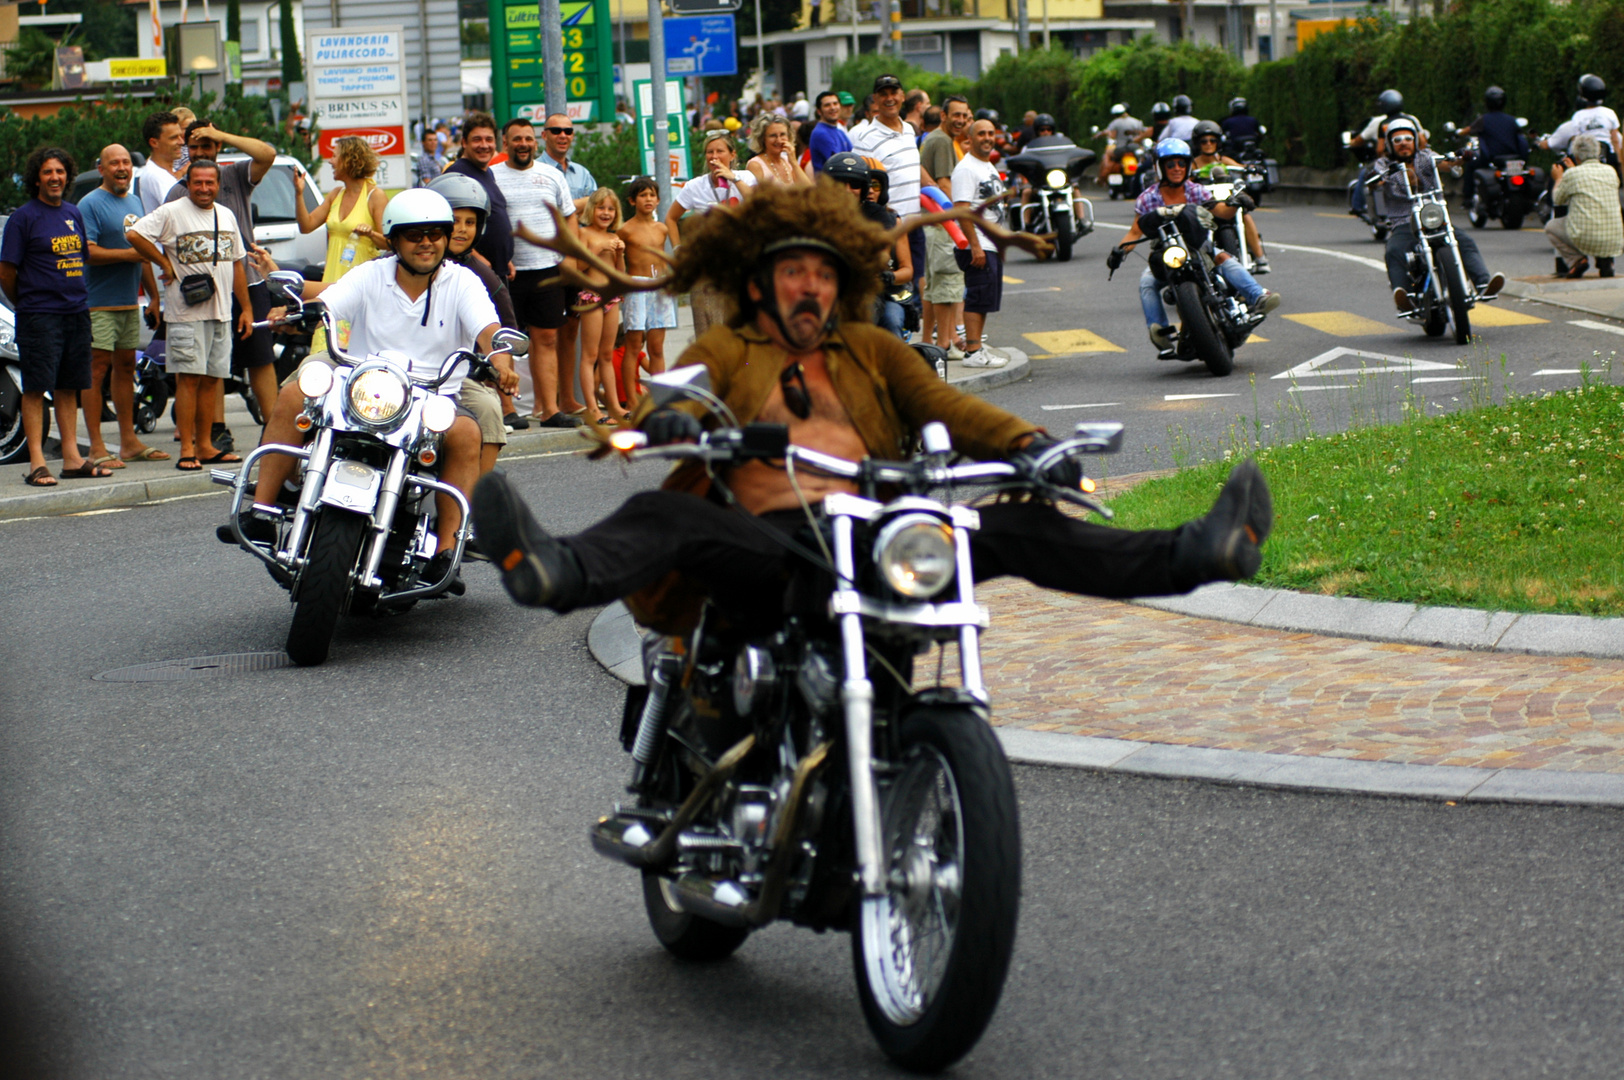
x=800 y=267
x=1402 y=155
x=414 y=302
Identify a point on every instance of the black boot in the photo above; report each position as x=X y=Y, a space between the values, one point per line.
x=537 y=570
x=1604 y=266
x=1224 y=545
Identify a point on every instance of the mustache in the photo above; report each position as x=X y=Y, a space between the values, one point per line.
x=807 y=306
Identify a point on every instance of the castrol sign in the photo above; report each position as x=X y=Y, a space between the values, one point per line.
x=357 y=82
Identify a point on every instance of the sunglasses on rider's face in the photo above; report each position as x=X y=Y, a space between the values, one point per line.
x=560 y=131
x=417 y=236
x=1207 y=138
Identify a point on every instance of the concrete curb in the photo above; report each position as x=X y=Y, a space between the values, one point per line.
x=76 y=496
x=616 y=644
x=1572 y=296
x=1407 y=624
x=975 y=380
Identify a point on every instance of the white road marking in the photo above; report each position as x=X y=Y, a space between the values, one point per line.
x=1020 y=292
x=1194 y=397
x=1094 y=405
x=1447 y=378
x=1374 y=264
x=1306 y=389
x=1556 y=371
x=1591 y=324
x=1376 y=363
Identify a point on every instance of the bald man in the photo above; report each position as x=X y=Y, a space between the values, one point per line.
x=116 y=273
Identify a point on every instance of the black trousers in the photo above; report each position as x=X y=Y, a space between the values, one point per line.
x=744 y=567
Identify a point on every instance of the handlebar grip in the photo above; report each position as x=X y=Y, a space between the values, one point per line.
x=765 y=440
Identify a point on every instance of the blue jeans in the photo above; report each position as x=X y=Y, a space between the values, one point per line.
x=888 y=315
x=1231 y=270
x=1357 y=201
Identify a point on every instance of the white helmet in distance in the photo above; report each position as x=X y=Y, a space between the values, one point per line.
x=417 y=207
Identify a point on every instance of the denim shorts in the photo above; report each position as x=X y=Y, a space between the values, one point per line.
x=53 y=350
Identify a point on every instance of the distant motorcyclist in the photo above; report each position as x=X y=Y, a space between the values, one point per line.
x=1498 y=136
x=1207 y=157
x=1160 y=114
x=1122 y=132
x=1182 y=124
x=1239 y=127
x=1390 y=104
x=1174 y=188
x=1421 y=166
x=1592 y=118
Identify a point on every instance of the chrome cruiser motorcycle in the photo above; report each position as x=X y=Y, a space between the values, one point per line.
x=821 y=769
x=1440 y=293
x=1053 y=168
x=360 y=533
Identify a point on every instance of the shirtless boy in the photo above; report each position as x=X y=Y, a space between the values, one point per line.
x=647 y=315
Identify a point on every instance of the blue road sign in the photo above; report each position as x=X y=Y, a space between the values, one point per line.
x=701 y=45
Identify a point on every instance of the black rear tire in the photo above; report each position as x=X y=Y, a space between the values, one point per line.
x=1511 y=222
x=688 y=937
x=1459 y=310
x=926 y=1030
x=325 y=584
x=1195 y=327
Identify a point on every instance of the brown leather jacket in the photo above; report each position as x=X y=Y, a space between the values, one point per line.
x=888 y=391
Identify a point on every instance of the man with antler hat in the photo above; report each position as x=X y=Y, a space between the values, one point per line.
x=801 y=268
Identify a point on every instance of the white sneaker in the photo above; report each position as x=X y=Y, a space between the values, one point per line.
x=984 y=358
x=954 y=352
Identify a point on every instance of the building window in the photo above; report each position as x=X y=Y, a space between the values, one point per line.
x=250 y=37
x=826 y=70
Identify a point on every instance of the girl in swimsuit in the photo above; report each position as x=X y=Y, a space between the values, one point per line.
x=600 y=222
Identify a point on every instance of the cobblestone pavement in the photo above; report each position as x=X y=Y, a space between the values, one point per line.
x=1081 y=666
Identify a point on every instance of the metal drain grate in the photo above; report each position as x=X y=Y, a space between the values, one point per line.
x=197 y=667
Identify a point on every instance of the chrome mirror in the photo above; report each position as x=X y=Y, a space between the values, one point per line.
x=512 y=340
x=288 y=285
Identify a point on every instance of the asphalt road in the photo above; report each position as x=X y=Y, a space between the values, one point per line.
x=380 y=868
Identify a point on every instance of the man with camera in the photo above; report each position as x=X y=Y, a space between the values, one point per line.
x=198 y=249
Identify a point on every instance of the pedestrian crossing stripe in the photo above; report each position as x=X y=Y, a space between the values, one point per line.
x=1358 y=362
x=1014 y=280
x=1499 y=316
x=1060 y=342
x=1340 y=323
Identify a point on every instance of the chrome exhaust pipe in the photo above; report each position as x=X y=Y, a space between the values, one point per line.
x=724 y=902
x=623 y=839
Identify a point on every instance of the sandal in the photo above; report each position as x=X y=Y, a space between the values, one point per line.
x=195 y=466
x=112 y=461
x=224 y=457
x=40 y=477
x=146 y=453
x=87 y=471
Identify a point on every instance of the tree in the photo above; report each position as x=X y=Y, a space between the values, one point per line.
x=234 y=20
x=292 y=66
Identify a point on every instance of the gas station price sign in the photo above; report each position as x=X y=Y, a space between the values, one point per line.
x=518 y=69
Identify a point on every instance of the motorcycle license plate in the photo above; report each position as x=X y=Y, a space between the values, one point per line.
x=1115 y=180
x=1515 y=168
x=352 y=486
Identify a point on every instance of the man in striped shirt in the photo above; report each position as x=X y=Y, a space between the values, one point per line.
x=890 y=139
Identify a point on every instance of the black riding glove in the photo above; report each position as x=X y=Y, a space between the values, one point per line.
x=1114 y=260
x=1244 y=201
x=1066 y=473
x=888 y=278
x=666 y=426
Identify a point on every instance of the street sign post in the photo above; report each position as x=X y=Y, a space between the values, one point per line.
x=358 y=87
x=704 y=7
x=701 y=45
x=518 y=84
x=678 y=132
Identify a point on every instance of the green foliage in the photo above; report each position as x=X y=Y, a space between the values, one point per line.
x=609 y=154
x=1042 y=79
x=84 y=127
x=856 y=77
x=476 y=32
x=292 y=66
x=32 y=60
x=1143 y=72
x=234 y=20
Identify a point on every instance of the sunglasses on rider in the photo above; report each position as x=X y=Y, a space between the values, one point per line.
x=797 y=399
x=559 y=131
x=417 y=236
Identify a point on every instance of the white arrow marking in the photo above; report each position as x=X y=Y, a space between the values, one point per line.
x=1374 y=363
x=1556 y=371
x=1194 y=397
x=1095 y=405
x=1591 y=324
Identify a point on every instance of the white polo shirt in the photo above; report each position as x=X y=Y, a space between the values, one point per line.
x=701 y=193
x=899 y=153
x=373 y=314
x=529 y=192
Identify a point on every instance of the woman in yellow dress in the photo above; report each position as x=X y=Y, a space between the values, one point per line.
x=352 y=213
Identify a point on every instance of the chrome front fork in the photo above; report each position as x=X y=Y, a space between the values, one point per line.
x=315 y=478
x=857 y=701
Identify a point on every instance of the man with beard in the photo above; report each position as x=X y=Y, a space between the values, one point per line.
x=801 y=267
x=1403 y=155
x=495 y=244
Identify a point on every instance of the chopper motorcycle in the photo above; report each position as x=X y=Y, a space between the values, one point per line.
x=1440 y=294
x=810 y=768
x=360 y=533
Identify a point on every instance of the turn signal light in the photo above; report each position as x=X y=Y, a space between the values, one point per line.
x=304 y=423
x=1088 y=485
x=427 y=455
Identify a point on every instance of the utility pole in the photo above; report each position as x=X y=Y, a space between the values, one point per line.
x=855 y=48
x=656 y=86
x=1046 y=24
x=896 y=27
x=761 y=51
x=1274 y=31
x=552 y=53
x=1023 y=28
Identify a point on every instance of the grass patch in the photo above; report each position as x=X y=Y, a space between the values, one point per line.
x=1514 y=506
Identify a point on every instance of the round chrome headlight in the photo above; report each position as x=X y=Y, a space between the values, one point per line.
x=377 y=395
x=1432 y=216
x=1175 y=257
x=1056 y=178
x=915 y=555
x=315 y=380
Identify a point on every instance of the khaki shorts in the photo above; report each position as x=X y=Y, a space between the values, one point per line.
x=485 y=405
x=111 y=331
x=944 y=282
x=199 y=348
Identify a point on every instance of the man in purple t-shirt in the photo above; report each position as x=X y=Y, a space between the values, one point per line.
x=42 y=271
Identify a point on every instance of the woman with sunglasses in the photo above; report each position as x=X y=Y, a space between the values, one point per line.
x=1206 y=141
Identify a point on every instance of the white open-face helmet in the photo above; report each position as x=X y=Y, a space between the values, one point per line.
x=417 y=207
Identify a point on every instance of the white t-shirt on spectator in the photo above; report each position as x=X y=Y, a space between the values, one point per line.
x=197 y=242
x=974 y=182
x=373 y=314
x=701 y=193
x=529 y=192
x=899 y=153
x=155 y=182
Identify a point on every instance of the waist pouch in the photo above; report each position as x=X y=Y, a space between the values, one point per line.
x=199 y=288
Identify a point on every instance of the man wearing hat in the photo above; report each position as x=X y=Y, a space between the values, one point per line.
x=1588 y=187
x=828 y=137
x=891 y=139
x=847 y=105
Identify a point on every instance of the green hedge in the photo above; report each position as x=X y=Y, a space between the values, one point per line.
x=84 y=127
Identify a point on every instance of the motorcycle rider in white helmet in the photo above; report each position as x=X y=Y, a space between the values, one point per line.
x=412 y=302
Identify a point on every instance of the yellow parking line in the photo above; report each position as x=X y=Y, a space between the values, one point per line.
x=1341 y=323
x=1344 y=214
x=1499 y=316
x=1014 y=280
x=1060 y=342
